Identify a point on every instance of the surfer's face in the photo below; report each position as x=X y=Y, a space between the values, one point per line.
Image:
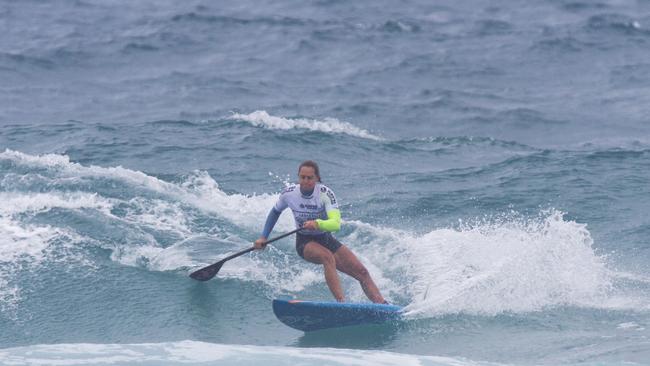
x=307 y=178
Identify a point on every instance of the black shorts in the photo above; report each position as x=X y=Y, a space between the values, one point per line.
x=326 y=240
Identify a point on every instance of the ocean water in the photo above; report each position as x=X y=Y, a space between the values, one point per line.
x=491 y=159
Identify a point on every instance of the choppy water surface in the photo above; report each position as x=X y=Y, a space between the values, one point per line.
x=492 y=162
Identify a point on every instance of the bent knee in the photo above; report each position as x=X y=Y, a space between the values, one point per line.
x=361 y=273
x=328 y=260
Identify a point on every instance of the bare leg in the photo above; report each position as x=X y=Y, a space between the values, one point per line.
x=349 y=264
x=318 y=254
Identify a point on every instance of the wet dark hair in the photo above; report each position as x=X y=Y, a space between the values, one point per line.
x=311 y=164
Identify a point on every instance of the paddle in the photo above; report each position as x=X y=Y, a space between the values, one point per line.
x=210 y=271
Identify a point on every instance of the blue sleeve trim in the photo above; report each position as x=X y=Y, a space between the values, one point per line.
x=271 y=219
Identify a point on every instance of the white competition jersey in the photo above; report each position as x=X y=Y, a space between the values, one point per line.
x=307 y=208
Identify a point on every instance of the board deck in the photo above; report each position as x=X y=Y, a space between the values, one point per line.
x=315 y=315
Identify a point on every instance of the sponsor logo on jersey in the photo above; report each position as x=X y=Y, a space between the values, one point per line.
x=308 y=206
x=331 y=196
x=304 y=216
x=289 y=189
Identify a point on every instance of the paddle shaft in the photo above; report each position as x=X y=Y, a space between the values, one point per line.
x=281 y=236
x=253 y=248
x=210 y=271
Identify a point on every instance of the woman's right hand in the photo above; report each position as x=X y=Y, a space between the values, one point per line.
x=260 y=243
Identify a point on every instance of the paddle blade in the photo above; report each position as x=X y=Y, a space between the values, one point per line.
x=207 y=273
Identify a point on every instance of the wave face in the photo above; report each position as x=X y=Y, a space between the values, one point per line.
x=131 y=235
x=491 y=162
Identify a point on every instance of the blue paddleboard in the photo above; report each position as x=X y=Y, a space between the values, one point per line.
x=315 y=315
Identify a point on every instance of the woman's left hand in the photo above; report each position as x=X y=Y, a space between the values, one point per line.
x=310 y=225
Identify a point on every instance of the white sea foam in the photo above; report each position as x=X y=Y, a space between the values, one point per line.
x=488 y=270
x=199 y=190
x=21 y=202
x=328 y=125
x=166 y=214
x=203 y=192
x=26 y=246
x=502 y=265
x=192 y=352
x=158 y=214
x=630 y=326
x=51 y=160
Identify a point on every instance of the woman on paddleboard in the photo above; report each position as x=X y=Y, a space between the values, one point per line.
x=316 y=211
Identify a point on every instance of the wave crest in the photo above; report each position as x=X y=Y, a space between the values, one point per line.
x=328 y=125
